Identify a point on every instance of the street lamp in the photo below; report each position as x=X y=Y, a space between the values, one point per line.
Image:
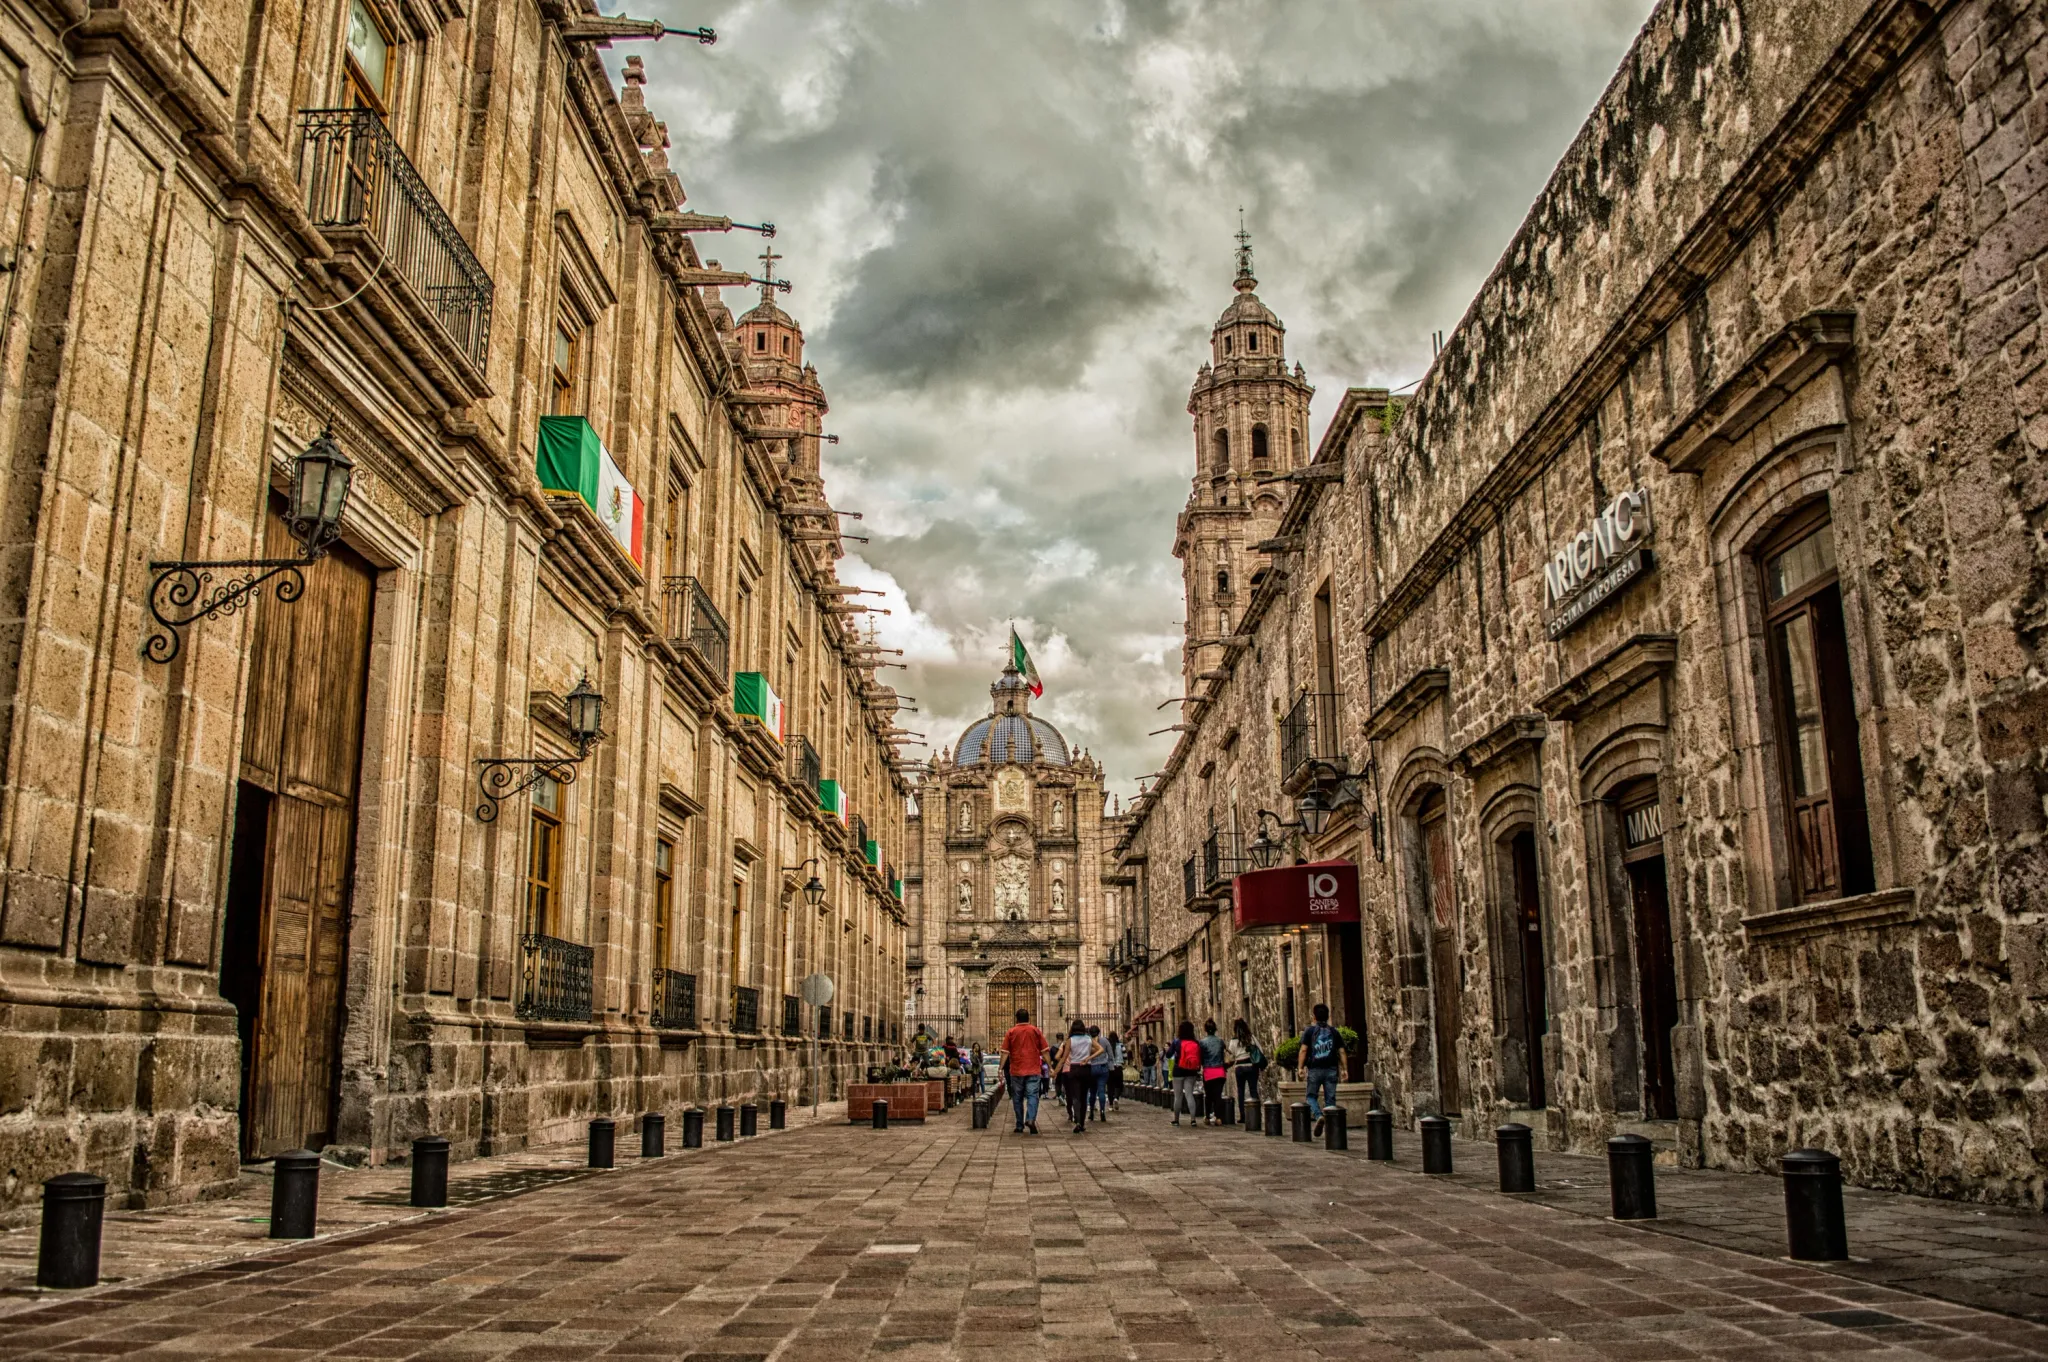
x=1267 y=848
x=498 y=777
x=182 y=593
x=1313 y=812
x=814 y=888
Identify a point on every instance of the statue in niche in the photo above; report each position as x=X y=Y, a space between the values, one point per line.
x=967 y=815
x=1059 y=815
x=966 y=892
x=1059 y=898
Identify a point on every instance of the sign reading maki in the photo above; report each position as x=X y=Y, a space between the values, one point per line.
x=1597 y=562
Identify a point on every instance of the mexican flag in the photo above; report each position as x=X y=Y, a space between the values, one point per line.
x=1021 y=660
x=571 y=459
x=752 y=699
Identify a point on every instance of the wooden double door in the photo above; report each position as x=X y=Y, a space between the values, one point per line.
x=1009 y=990
x=284 y=953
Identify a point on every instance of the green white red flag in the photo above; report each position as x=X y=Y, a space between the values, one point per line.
x=1021 y=660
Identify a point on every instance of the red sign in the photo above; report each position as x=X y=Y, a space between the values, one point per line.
x=1295 y=896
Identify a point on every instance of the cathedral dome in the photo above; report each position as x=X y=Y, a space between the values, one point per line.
x=1246 y=307
x=1012 y=733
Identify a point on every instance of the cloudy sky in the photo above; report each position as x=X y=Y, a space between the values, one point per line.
x=1009 y=225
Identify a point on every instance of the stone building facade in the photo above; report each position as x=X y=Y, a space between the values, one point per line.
x=257 y=886
x=1005 y=892
x=1684 y=706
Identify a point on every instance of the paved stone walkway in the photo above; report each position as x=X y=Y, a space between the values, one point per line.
x=1137 y=1241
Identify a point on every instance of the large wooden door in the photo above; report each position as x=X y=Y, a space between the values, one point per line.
x=1535 y=1017
x=1658 y=986
x=1446 y=993
x=302 y=741
x=1009 y=990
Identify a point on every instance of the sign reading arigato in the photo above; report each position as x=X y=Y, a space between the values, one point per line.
x=1295 y=896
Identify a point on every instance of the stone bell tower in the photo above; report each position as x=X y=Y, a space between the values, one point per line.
x=1250 y=422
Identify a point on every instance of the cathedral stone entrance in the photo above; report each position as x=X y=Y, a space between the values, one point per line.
x=1009 y=990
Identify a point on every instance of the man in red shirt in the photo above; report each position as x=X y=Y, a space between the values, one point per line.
x=1024 y=1065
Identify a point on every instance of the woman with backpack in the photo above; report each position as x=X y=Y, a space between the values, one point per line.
x=1187 y=1074
x=1076 y=1063
x=1213 y=1070
x=1251 y=1065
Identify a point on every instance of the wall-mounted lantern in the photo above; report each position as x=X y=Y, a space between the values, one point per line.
x=498 y=777
x=183 y=592
x=814 y=888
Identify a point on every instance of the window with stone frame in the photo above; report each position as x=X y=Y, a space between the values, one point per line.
x=565 y=370
x=366 y=61
x=1813 y=702
x=664 y=900
x=544 y=860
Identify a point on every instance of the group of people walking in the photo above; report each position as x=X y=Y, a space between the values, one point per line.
x=1087 y=1066
x=1089 y=1069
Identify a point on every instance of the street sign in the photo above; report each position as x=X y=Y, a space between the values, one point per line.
x=817 y=989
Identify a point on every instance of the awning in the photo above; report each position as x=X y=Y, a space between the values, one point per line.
x=1167 y=985
x=1156 y=1012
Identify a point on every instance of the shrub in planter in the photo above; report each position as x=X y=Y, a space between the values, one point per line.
x=1287 y=1054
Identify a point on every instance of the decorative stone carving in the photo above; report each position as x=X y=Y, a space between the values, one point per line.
x=1013 y=886
x=1013 y=791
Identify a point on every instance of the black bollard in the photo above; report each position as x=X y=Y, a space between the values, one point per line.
x=750 y=1120
x=981 y=1115
x=1227 y=1112
x=1273 y=1110
x=653 y=1135
x=778 y=1114
x=1814 y=1226
x=430 y=1170
x=1254 y=1112
x=74 y=1207
x=294 y=1194
x=1379 y=1133
x=1298 y=1127
x=1436 y=1145
x=603 y=1141
x=1335 y=1136
x=881 y=1113
x=693 y=1128
x=724 y=1124
x=1517 y=1149
x=1631 y=1183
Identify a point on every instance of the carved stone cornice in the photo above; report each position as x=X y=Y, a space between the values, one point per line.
x=1407 y=701
x=1632 y=664
x=1777 y=369
x=1521 y=733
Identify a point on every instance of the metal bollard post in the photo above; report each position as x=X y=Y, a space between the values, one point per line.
x=430 y=1170
x=74 y=1208
x=778 y=1115
x=1814 y=1226
x=653 y=1135
x=1516 y=1148
x=1297 y=1116
x=724 y=1124
x=603 y=1139
x=1335 y=1136
x=693 y=1128
x=1272 y=1110
x=294 y=1194
x=980 y=1115
x=750 y=1120
x=1227 y=1112
x=1631 y=1181
x=1254 y=1116
x=1379 y=1133
x=881 y=1113
x=1436 y=1145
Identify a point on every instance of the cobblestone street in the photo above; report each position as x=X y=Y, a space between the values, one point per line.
x=938 y=1241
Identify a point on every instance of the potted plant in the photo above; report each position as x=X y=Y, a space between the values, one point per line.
x=1287 y=1054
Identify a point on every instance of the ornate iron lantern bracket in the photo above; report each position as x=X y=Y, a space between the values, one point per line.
x=498 y=778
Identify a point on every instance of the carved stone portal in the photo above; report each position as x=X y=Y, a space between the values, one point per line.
x=1013 y=886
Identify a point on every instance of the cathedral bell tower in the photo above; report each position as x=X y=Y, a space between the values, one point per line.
x=1250 y=422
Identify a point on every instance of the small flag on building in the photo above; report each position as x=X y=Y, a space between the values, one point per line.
x=1021 y=660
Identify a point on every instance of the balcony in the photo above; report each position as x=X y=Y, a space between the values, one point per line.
x=1191 y=889
x=746 y=1011
x=1222 y=861
x=801 y=764
x=557 y=980
x=1309 y=733
x=696 y=628
x=859 y=827
x=358 y=180
x=674 y=1005
x=792 y=1015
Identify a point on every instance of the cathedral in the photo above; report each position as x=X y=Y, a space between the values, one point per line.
x=1005 y=891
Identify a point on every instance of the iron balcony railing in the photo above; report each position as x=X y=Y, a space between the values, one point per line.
x=695 y=625
x=1221 y=860
x=860 y=831
x=804 y=767
x=1190 y=890
x=1309 y=732
x=557 y=980
x=746 y=1011
x=356 y=176
x=675 y=1000
x=792 y=1015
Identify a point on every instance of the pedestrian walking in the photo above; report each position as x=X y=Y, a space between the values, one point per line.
x=1098 y=1083
x=1076 y=1064
x=1251 y=1062
x=1148 y=1064
x=1116 y=1071
x=1023 y=1069
x=1322 y=1050
x=1187 y=1074
x=974 y=1071
x=1214 y=1067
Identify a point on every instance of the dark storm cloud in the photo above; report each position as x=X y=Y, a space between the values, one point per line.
x=1009 y=225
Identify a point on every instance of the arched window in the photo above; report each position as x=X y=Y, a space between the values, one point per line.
x=1220 y=461
x=1223 y=581
x=1258 y=445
